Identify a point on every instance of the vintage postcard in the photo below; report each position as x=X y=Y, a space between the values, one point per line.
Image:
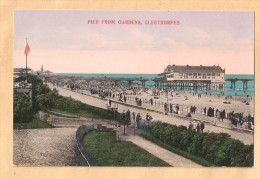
x=133 y=88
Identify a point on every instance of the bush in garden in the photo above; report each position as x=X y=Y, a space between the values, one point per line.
x=23 y=110
x=218 y=148
x=196 y=144
x=186 y=141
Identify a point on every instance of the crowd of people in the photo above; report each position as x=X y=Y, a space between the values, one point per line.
x=134 y=118
x=169 y=108
x=111 y=89
x=197 y=126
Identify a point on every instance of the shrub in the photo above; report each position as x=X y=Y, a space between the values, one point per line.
x=23 y=111
x=218 y=148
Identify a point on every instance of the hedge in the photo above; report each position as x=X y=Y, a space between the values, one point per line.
x=218 y=148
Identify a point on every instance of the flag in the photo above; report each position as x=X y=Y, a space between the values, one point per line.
x=27 y=49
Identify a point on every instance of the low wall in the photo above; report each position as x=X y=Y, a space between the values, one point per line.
x=82 y=156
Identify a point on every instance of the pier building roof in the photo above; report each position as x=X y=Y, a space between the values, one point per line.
x=195 y=69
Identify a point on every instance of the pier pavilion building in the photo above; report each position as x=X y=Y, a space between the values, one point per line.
x=203 y=77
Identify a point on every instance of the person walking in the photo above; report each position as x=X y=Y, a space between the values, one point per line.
x=198 y=127
x=147 y=117
x=202 y=126
x=138 y=119
x=133 y=114
x=190 y=126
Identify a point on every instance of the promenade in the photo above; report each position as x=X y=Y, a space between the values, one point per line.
x=95 y=101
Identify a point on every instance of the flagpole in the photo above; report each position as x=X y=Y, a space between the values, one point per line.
x=26 y=65
x=26 y=56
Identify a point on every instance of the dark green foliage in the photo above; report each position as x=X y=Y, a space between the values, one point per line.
x=35 y=123
x=23 y=111
x=218 y=148
x=46 y=101
x=35 y=81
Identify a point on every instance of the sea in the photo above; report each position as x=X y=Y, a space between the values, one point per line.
x=238 y=91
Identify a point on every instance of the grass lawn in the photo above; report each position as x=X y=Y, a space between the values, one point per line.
x=180 y=152
x=34 y=124
x=105 y=150
x=84 y=113
x=81 y=113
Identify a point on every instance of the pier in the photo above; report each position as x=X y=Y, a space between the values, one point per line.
x=200 y=84
x=234 y=80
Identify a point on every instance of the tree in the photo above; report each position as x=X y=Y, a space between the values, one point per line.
x=23 y=111
x=46 y=101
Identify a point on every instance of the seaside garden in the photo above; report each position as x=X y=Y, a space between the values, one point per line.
x=44 y=99
x=207 y=149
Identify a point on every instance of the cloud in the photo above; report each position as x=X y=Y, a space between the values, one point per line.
x=177 y=45
x=198 y=38
x=199 y=35
x=128 y=38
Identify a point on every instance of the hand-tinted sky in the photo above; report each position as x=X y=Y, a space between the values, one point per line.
x=63 y=41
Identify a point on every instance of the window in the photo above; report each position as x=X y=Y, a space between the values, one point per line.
x=194 y=75
x=170 y=76
x=199 y=74
x=204 y=76
x=208 y=74
x=213 y=74
x=181 y=74
x=217 y=74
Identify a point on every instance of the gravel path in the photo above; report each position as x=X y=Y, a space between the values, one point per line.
x=51 y=146
x=44 y=147
x=244 y=137
x=169 y=157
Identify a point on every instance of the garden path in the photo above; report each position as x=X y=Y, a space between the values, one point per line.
x=169 y=157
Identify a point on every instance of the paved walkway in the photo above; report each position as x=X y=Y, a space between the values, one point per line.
x=244 y=137
x=169 y=157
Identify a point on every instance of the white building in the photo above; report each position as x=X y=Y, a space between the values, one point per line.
x=213 y=75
